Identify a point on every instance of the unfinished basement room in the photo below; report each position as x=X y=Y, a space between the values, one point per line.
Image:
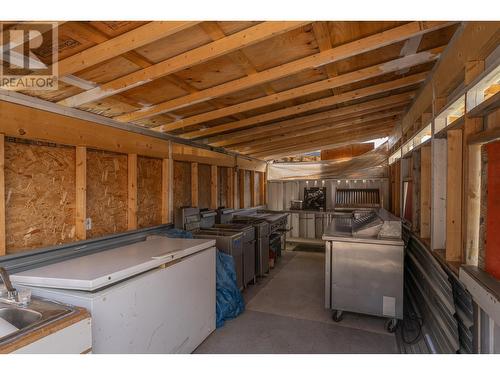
x=261 y=183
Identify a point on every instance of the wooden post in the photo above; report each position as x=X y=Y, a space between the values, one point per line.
x=194 y=184
x=230 y=187
x=241 y=187
x=253 y=191
x=471 y=175
x=265 y=188
x=425 y=192
x=2 y=195
x=213 y=187
x=438 y=192
x=165 y=190
x=262 y=187
x=454 y=197
x=132 y=192
x=81 y=193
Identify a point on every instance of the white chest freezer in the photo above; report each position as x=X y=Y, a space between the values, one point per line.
x=154 y=296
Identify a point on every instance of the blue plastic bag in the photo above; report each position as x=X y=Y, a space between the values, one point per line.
x=229 y=301
x=176 y=233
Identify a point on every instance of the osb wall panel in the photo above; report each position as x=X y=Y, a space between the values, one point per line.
x=149 y=190
x=222 y=187
x=182 y=184
x=106 y=192
x=39 y=195
x=204 y=177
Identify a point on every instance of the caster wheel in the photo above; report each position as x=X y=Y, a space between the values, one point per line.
x=391 y=325
x=337 y=315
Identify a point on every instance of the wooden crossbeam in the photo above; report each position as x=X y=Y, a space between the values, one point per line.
x=117 y=46
x=344 y=51
x=327 y=131
x=325 y=143
x=312 y=130
x=297 y=123
x=185 y=60
x=313 y=105
x=472 y=41
x=315 y=87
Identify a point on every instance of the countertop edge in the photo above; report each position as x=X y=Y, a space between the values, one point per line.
x=76 y=316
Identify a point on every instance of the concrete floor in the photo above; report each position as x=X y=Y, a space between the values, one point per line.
x=285 y=314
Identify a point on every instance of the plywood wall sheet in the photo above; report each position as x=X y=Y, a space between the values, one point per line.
x=39 y=195
x=182 y=184
x=106 y=192
x=204 y=177
x=149 y=172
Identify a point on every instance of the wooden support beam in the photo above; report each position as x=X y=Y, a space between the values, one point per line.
x=132 y=192
x=313 y=129
x=230 y=188
x=328 y=142
x=213 y=187
x=262 y=188
x=165 y=186
x=253 y=190
x=454 y=197
x=121 y=44
x=311 y=88
x=472 y=41
x=241 y=187
x=185 y=60
x=309 y=106
x=265 y=187
x=81 y=193
x=264 y=131
x=471 y=174
x=438 y=189
x=194 y=184
x=329 y=132
x=2 y=195
x=425 y=192
x=36 y=124
x=344 y=51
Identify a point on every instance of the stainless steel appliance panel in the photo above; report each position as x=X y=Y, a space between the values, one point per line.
x=366 y=277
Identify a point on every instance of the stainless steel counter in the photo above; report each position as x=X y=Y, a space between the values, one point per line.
x=364 y=265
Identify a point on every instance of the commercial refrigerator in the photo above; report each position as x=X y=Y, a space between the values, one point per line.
x=364 y=265
x=153 y=296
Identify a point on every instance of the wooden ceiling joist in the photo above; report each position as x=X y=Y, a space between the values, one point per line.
x=297 y=122
x=185 y=60
x=309 y=106
x=326 y=130
x=121 y=44
x=362 y=134
x=344 y=51
x=313 y=129
x=337 y=81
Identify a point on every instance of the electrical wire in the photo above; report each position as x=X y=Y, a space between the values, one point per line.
x=412 y=324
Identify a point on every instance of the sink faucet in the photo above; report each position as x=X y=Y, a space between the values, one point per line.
x=11 y=291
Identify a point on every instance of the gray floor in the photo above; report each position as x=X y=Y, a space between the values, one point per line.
x=285 y=314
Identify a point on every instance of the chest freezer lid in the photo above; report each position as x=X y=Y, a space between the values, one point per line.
x=95 y=271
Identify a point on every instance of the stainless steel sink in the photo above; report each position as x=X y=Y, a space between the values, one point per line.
x=38 y=313
x=18 y=317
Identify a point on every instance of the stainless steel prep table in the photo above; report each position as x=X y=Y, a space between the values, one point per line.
x=364 y=265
